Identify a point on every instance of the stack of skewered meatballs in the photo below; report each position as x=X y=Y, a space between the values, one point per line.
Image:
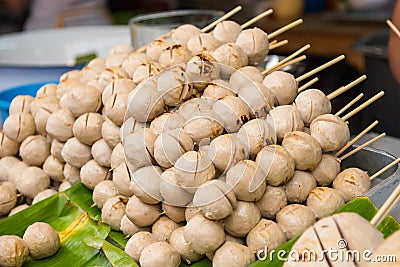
x=189 y=149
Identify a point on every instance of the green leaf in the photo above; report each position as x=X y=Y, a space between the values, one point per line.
x=116 y=256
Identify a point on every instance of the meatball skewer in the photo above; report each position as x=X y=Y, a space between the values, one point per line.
x=324 y=126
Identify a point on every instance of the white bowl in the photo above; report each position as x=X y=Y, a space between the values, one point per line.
x=43 y=55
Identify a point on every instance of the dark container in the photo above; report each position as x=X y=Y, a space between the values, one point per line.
x=380 y=77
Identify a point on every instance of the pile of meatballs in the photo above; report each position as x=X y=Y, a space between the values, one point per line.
x=189 y=149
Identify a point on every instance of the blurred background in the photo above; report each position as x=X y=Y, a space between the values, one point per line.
x=355 y=28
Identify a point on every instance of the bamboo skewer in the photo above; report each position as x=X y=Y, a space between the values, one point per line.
x=298 y=59
x=278 y=44
x=224 y=17
x=343 y=89
x=393 y=27
x=322 y=67
x=288 y=58
x=352 y=102
x=364 y=105
x=285 y=28
x=386 y=207
x=362 y=146
x=273 y=42
x=256 y=18
x=387 y=167
x=307 y=84
x=355 y=139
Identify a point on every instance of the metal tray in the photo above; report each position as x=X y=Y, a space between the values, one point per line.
x=372 y=160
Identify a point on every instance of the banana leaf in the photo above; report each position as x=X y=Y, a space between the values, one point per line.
x=71 y=214
x=85 y=241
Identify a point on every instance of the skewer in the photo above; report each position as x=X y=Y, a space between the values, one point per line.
x=273 y=42
x=362 y=146
x=308 y=84
x=285 y=28
x=168 y=34
x=278 y=44
x=393 y=27
x=355 y=139
x=387 y=167
x=298 y=59
x=224 y=17
x=256 y=18
x=343 y=89
x=364 y=105
x=386 y=207
x=352 y=102
x=288 y=58
x=322 y=67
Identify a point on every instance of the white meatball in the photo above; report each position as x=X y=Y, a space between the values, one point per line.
x=324 y=201
x=285 y=119
x=159 y=254
x=233 y=111
x=276 y=163
x=266 y=233
x=155 y=48
x=174 y=55
x=175 y=86
x=234 y=255
x=352 y=182
x=299 y=186
x=327 y=170
x=330 y=131
x=217 y=89
x=304 y=149
x=204 y=42
x=183 y=33
x=231 y=56
x=294 y=219
x=273 y=200
x=283 y=86
x=202 y=69
x=244 y=76
x=255 y=44
x=311 y=104
x=203 y=235
x=256 y=134
x=243 y=219
x=258 y=98
x=227 y=31
x=227 y=150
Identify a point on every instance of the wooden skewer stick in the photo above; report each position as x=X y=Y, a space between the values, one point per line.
x=288 y=58
x=352 y=102
x=362 y=146
x=256 y=18
x=355 y=139
x=322 y=67
x=224 y=17
x=387 y=167
x=393 y=27
x=168 y=34
x=386 y=207
x=285 y=28
x=343 y=89
x=278 y=44
x=273 y=42
x=308 y=84
x=364 y=105
x=298 y=59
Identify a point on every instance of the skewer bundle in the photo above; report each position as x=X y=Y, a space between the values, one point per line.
x=188 y=130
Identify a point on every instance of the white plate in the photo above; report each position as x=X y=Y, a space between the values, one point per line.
x=59 y=47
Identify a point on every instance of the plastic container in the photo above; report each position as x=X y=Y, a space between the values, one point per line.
x=6 y=96
x=380 y=77
x=145 y=28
